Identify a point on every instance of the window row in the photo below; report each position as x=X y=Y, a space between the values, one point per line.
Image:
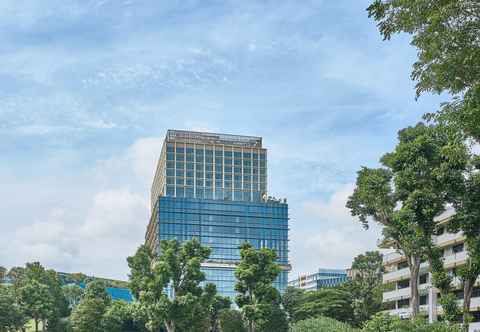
x=180 y=150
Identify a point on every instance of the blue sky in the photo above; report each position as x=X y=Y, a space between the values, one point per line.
x=89 y=88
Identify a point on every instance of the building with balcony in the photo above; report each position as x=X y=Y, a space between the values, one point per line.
x=323 y=278
x=213 y=187
x=397 y=277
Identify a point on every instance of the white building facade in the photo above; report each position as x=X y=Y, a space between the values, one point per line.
x=397 y=277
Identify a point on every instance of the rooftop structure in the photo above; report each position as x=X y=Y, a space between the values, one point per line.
x=211 y=166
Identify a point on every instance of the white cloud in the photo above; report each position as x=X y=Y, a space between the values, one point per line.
x=98 y=243
x=324 y=235
x=96 y=236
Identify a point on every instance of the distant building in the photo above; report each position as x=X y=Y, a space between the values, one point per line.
x=117 y=289
x=213 y=187
x=324 y=278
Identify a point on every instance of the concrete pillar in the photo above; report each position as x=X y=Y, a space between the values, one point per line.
x=432 y=305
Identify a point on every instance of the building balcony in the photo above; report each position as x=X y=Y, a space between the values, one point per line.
x=455 y=259
x=448 y=239
x=405 y=313
x=402 y=273
x=404 y=293
x=391 y=258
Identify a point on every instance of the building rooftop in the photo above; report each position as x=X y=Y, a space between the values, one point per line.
x=186 y=136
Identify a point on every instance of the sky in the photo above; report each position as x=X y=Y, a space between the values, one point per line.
x=88 y=89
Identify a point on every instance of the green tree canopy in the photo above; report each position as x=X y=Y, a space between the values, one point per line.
x=73 y=294
x=213 y=304
x=445 y=33
x=326 y=302
x=291 y=301
x=465 y=198
x=255 y=275
x=168 y=284
x=40 y=293
x=366 y=286
x=88 y=315
x=37 y=301
x=408 y=192
x=231 y=320
x=12 y=315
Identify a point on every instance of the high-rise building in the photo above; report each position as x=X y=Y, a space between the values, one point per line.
x=323 y=278
x=397 y=277
x=214 y=187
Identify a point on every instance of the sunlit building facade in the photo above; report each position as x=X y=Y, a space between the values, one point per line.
x=397 y=277
x=323 y=278
x=214 y=187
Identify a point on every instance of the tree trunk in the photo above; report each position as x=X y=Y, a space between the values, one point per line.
x=251 y=326
x=414 y=264
x=36 y=325
x=467 y=297
x=170 y=326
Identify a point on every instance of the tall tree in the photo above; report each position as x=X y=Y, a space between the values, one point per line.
x=255 y=275
x=366 y=285
x=73 y=294
x=213 y=304
x=33 y=274
x=177 y=270
x=291 y=301
x=465 y=198
x=12 y=315
x=37 y=301
x=445 y=34
x=407 y=193
x=231 y=320
x=88 y=315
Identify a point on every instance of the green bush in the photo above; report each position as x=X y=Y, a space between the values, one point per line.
x=321 y=324
x=388 y=323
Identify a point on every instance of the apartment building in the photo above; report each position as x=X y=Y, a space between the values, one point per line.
x=397 y=278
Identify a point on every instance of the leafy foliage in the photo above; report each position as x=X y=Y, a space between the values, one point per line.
x=388 y=323
x=12 y=315
x=231 y=320
x=88 y=315
x=366 y=286
x=255 y=274
x=445 y=34
x=73 y=294
x=321 y=324
x=214 y=304
x=176 y=269
x=327 y=302
x=409 y=191
x=40 y=294
x=291 y=300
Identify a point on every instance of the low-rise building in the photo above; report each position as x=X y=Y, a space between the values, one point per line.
x=397 y=277
x=321 y=279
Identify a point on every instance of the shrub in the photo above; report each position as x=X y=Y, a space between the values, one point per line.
x=388 y=323
x=321 y=324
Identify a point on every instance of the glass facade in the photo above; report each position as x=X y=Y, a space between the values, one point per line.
x=224 y=226
x=215 y=172
x=214 y=187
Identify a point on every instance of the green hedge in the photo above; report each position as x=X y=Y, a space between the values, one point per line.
x=321 y=324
